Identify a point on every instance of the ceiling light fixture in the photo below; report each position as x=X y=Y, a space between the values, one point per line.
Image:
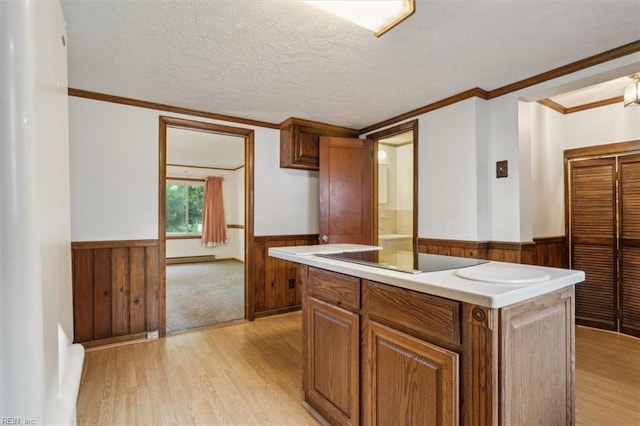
x=378 y=16
x=632 y=92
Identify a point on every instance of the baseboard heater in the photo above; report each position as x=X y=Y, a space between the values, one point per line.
x=191 y=259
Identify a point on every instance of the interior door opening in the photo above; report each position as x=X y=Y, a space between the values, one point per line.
x=204 y=168
x=397 y=187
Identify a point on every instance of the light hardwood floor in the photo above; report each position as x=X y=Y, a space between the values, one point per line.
x=250 y=373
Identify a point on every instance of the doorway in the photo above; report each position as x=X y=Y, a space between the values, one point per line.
x=203 y=284
x=397 y=186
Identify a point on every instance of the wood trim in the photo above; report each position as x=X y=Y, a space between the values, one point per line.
x=590 y=61
x=87 y=245
x=183 y=237
x=270 y=238
x=548 y=240
x=395 y=145
x=235 y=226
x=248 y=135
x=570 y=110
x=543 y=251
x=116 y=340
x=597 y=104
x=317 y=125
x=203 y=167
x=171 y=178
x=508 y=245
x=553 y=105
x=409 y=126
x=613 y=149
x=479 y=365
x=278 y=311
x=471 y=93
x=79 y=93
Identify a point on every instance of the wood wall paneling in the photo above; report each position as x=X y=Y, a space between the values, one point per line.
x=547 y=251
x=115 y=290
x=101 y=292
x=271 y=276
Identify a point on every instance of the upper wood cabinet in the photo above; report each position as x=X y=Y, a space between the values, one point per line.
x=300 y=141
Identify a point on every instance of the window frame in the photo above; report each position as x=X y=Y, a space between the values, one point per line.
x=184 y=182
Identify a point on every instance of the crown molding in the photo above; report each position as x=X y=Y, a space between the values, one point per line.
x=167 y=108
x=570 y=110
x=590 y=61
x=600 y=58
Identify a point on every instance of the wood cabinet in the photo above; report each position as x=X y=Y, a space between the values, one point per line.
x=411 y=382
x=300 y=141
x=379 y=354
x=332 y=346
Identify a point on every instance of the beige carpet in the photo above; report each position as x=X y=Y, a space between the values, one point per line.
x=202 y=294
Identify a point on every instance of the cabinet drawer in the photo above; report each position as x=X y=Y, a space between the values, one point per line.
x=420 y=315
x=332 y=287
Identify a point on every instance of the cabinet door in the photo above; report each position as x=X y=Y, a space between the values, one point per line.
x=332 y=384
x=410 y=381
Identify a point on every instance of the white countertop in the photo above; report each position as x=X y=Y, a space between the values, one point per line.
x=441 y=283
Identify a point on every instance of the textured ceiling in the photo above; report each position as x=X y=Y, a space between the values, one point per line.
x=270 y=60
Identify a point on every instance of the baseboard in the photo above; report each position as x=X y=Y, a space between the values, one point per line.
x=277 y=311
x=191 y=259
x=115 y=341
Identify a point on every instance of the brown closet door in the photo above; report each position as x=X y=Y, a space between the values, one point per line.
x=592 y=231
x=629 y=190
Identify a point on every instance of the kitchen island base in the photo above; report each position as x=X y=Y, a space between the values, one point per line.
x=379 y=354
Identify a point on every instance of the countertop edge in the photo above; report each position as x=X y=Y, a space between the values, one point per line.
x=505 y=295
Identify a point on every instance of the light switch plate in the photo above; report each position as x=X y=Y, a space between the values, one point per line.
x=502 y=169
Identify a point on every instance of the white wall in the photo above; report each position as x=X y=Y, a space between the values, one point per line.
x=552 y=133
x=459 y=145
x=448 y=181
x=40 y=368
x=114 y=176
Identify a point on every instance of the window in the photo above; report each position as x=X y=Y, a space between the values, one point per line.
x=184 y=207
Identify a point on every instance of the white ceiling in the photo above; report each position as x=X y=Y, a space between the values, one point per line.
x=273 y=59
x=598 y=92
x=204 y=149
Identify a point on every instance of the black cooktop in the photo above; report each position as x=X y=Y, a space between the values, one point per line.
x=404 y=261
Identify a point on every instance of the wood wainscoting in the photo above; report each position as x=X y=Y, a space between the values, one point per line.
x=271 y=277
x=115 y=290
x=547 y=251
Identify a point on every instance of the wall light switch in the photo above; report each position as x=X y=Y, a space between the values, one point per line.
x=502 y=169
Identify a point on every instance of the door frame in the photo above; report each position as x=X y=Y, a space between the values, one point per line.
x=409 y=126
x=248 y=135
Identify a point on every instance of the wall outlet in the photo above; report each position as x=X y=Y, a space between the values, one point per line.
x=292 y=283
x=152 y=335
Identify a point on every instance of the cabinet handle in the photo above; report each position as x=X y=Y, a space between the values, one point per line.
x=324 y=239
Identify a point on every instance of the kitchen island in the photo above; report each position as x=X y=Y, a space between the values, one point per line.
x=471 y=344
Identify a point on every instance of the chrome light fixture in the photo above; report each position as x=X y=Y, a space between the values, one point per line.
x=378 y=16
x=632 y=92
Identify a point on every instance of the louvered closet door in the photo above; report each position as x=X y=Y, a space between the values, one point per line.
x=629 y=189
x=592 y=226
